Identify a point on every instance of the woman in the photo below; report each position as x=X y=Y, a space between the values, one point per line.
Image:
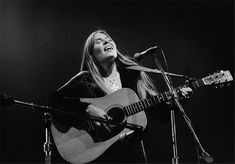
x=103 y=72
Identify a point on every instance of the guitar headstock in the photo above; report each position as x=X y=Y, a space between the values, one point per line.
x=218 y=78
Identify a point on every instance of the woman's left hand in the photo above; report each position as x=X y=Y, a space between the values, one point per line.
x=186 y=92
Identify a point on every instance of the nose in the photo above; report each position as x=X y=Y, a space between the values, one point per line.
x=106 y=42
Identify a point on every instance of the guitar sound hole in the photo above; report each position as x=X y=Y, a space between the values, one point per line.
x=103 y=132
x=116 y=114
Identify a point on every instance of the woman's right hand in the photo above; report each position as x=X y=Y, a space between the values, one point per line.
x=97 y=112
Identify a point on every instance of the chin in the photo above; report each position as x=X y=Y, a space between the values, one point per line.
x=112 y=55
x=111 y=58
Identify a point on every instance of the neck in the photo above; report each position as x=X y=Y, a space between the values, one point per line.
x=107 y=69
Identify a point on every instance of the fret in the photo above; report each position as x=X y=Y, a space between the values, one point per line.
x=167 y=96
x=162 y=97
x=128 y=110
x=158 y=99
x=142 y=105
x=135 y=108
x=151 y=103
x=147 y=103
x=153 y=100
x=145 y=106
x=132 y=109
x=138 y=106
x=125 y=110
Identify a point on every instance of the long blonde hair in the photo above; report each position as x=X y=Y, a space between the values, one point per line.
x=89 y=63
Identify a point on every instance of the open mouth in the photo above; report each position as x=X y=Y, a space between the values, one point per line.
x=107 y=48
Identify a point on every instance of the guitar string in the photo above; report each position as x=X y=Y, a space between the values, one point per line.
x=90 y=126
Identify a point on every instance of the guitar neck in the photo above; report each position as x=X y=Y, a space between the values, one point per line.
x=157 y=99
x=216 y=78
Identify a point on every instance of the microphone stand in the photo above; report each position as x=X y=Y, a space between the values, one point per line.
x=47 y=145
x=4 y=101
x=175 y=160
x=145 y=69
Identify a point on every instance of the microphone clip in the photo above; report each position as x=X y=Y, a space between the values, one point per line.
x=136 y=132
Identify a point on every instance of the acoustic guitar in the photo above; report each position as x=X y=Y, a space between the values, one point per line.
x=82 y=145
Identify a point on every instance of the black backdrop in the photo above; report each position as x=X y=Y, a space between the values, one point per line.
x=40 y=49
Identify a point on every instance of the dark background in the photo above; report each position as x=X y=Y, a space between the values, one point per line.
x=40 y=49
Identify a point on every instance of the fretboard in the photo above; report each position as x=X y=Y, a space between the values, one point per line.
x=157 y=99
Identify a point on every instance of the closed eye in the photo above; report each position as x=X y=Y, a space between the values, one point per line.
x=100 y=40
x=97 y=41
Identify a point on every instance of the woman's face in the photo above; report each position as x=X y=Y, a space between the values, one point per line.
x=104 y=48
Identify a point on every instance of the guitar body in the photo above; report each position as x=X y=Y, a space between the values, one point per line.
x=78 y=146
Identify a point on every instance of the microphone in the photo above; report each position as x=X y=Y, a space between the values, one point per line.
x=140 y=55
